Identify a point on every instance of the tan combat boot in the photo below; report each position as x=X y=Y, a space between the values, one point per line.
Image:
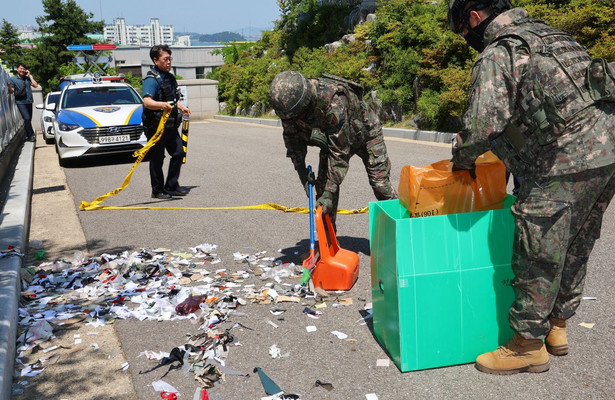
x=556 y=341
x=518 y=355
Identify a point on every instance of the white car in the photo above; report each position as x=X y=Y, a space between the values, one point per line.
x=98 y=116
x=47 y=116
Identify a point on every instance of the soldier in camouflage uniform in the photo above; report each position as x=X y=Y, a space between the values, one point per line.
x=533 y=103
x=329 y=113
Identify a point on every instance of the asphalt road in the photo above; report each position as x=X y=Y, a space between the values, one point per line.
x=233 y=164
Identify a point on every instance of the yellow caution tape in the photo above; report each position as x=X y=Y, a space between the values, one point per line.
x=140 y=154
x=264 y=206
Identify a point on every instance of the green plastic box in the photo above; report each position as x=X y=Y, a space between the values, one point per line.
x=441 y=286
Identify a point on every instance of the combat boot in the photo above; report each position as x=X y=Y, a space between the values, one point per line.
x=556 y=341
x=518 y=355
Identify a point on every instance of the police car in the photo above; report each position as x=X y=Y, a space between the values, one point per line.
x=97 y=114
x=48 y=115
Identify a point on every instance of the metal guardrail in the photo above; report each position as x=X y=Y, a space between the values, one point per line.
x=10 y=118
x=11 y=123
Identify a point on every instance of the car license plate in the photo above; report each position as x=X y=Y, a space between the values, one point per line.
x=114 y=139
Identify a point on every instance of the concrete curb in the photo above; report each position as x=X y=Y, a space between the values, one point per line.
x=412 y=134
x=14 y=224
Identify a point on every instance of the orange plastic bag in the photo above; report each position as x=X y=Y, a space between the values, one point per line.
x=437 y=190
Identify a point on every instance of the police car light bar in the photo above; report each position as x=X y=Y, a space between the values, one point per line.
x=79 y=47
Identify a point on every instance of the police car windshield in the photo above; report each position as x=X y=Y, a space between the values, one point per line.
x=99 y=96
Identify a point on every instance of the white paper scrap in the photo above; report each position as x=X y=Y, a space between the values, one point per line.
x=383 y=362
x=371 y=396
x=162 y=386
x=587 y=325
x=52 y=348
x=272 y=323
x=29 y=372
x=311 y=328
x=77 y=341
x=340 y=335
x=274 y=351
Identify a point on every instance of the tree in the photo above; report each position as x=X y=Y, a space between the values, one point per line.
x=12 y=53
x=64 y=23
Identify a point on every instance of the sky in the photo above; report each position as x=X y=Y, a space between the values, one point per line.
x=200 y=16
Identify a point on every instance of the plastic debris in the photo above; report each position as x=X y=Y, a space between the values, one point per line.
x=156 y=285
x=275 y=352
x=200 y=394
x=39 y=254
x=162 y=386
x=190 y=305
x=269 y=385
x=340 y=335
x=40 y=331
x=328 y=386
x=587 y=325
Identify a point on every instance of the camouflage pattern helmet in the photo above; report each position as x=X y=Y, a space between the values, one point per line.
x=290 y=94
x=459 y=14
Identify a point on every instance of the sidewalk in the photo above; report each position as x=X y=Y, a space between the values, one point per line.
x=14 y=225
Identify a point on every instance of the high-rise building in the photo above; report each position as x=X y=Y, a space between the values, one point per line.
x=138 y=35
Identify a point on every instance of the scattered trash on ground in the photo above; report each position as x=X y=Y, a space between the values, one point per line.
x=160 y=285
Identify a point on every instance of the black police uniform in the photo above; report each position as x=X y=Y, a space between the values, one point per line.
x=170 y=139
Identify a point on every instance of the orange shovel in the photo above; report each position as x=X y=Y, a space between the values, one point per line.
x=337 y=269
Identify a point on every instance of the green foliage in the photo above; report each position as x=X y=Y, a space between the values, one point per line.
x=220 y=37
x=64 y=23
x=591 y=22
x=304 y=23
x=408 y=55
x=10 y=50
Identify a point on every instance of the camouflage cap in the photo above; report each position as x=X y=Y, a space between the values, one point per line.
x=290 y=93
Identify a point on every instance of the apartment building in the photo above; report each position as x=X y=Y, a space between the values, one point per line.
x=138 y=35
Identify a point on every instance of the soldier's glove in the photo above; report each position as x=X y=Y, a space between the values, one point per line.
x=306 y=178
x=326 y=201
x=471 y=170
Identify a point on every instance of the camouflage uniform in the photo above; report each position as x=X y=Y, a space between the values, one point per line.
x=561 y=141
x=341 y=125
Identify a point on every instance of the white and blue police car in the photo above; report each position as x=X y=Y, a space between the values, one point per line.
x=97 y=115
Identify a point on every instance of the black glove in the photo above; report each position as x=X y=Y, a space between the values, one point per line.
x=306 y=178
x=471 y=170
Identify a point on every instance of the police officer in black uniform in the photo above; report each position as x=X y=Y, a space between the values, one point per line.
x=160 y=93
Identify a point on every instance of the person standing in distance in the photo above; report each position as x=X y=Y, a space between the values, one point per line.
x=160 y=93
x=534 y=104
x=20 y=86
x=329 y=113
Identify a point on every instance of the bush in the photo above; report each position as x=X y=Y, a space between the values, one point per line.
x=408 y=55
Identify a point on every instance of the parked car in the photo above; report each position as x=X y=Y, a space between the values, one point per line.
x=47 y=116
x=99 y=115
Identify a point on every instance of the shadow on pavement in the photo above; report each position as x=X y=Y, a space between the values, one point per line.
x=301 y=250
